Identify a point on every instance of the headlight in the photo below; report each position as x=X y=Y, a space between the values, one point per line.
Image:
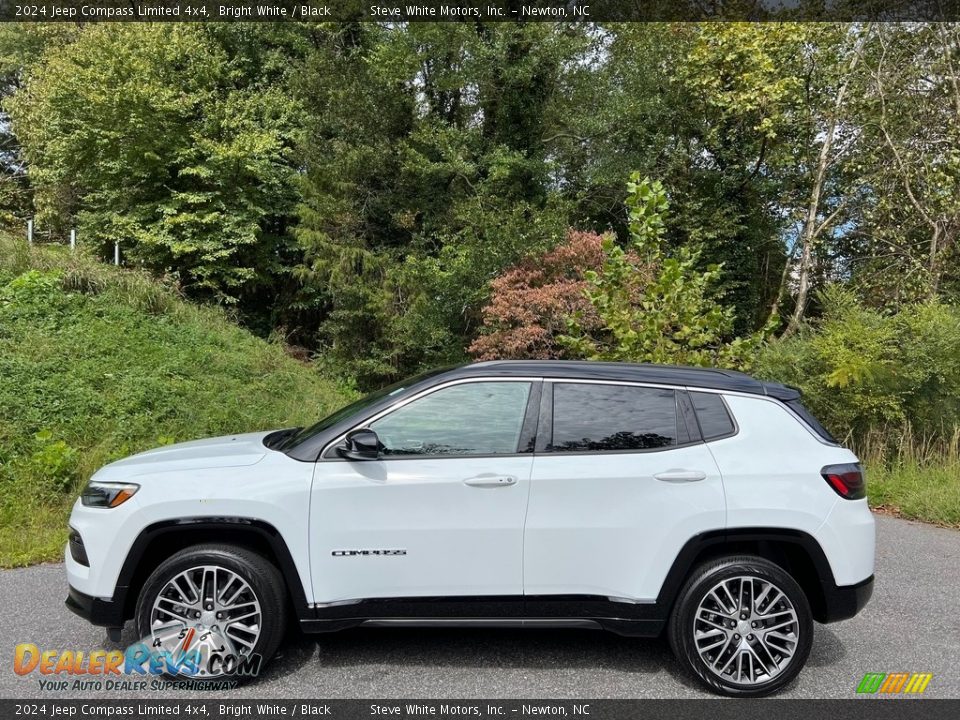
x=107 y=495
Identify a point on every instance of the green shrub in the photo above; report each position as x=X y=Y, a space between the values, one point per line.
x=54 y=461
x=654 y=307
x=865 y=372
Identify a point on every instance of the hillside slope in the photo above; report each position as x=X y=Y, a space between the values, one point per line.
x=97 y=363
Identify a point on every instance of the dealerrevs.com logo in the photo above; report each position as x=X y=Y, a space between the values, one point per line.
x=901 y=683
x=140 y=667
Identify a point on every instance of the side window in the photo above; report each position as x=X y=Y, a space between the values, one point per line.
x=712 y=414
x=596 y=417
x=481 y=418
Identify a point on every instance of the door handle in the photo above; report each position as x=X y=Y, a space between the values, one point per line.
x=680 y=476
x=490 y=481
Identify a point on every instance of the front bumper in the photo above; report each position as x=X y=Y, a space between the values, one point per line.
x=97 y=611
x=844 y=601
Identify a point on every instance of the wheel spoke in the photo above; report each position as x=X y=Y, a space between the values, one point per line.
x=761 y=597
x=756 y=656
x=720 y=657
x=785 y=645
x=240 y=585
x=167 y=630
x=231 y=621
x=193 y=586
x=718 y=635
x=734 y=600
x=168 y=607
x=746 y=595
x=721 y=641
x=773 y=603
x=771 y=661
x=205 y=584
x=723 y=609
x=712 y=623
x=776 y=626
x=240 y=640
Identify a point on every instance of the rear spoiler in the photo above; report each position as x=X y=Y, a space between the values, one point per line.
x=786 y=393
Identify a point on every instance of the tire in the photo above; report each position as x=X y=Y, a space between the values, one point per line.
x=233 y=599
x=763 y=651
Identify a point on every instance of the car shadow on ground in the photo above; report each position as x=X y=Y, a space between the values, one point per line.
x=827 y=648
x=494 y=648
x=409 y=649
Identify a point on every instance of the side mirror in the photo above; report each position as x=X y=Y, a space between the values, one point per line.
x=360 y=444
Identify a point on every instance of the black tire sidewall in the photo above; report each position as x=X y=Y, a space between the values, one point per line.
x=262 y=576
x=680 y=629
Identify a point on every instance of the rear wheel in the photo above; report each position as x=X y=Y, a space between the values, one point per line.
x=216 y=607
x=742 y=625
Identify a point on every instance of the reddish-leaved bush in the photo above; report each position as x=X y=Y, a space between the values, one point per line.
x=530 y=302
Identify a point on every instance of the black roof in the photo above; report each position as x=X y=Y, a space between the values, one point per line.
x=680 y=375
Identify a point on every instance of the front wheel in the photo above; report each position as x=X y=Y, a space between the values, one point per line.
x=742 y=625
x=213 y=611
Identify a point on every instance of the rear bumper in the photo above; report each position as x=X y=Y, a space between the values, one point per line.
x=97 y=611
x=844 y=601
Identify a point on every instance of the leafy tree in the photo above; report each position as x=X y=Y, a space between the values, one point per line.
x=908 y=223
x=427 y=176
x=674 y=318
x=174 y=140
x=766 y=99
x=21 y=45
x=712 y=110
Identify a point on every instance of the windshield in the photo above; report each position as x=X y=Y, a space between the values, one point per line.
x=354 y=408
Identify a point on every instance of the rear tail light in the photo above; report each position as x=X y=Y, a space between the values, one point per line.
x=847 y=480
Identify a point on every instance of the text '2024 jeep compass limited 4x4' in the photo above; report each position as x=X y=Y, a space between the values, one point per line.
x=634 y=498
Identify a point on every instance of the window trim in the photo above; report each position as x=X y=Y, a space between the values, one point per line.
x=543 y=427
x=545 y=432
x=532 y=397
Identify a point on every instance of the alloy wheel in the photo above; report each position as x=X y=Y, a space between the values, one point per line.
x=746 y=630
x=207 y=609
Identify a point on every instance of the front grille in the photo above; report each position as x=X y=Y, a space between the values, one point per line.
x=77 y=551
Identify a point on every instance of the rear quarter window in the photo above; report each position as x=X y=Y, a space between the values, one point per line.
x=713 y=415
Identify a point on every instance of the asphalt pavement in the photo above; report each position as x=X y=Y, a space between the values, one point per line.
x=912 y=624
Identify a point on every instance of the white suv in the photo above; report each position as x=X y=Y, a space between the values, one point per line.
x=634 y=498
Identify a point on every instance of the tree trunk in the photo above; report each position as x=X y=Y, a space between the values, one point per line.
x=810 y=228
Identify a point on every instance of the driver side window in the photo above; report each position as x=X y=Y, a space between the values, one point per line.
x=480 y=418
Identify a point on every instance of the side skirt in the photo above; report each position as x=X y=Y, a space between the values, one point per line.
x=562 y=611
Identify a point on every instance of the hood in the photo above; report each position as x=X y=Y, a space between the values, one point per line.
x=218 y=452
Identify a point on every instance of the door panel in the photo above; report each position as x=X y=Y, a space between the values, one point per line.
x=441 y=513
x=457 y=539
x=611 y=522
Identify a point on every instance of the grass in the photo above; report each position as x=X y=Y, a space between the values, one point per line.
x=97 y=363
x=917 y=478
